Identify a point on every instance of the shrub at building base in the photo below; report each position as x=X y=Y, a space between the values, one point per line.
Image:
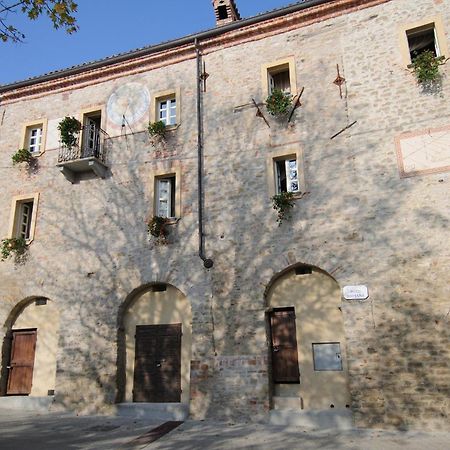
x=278 y=103
x=282 y=204
x=12 y=246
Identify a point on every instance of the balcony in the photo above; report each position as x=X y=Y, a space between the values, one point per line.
x=88 y=154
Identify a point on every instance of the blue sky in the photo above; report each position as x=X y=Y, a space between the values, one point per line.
x=108 y=27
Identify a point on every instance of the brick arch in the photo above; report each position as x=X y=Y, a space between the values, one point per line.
x=123 y=372
x=278 y=274
x=15 y=314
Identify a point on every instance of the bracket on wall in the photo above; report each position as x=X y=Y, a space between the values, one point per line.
x=343 y=129
x=296 y=103
x=339 y=81
x=259 y=112
x=204 y=76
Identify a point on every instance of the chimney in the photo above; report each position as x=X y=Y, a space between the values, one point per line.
x=225 y=11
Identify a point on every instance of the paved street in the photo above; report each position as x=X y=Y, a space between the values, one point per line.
x=65 y=432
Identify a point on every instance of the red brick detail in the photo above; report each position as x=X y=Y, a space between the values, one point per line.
x=175 y=55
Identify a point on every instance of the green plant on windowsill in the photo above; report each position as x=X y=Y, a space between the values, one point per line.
x=157 y=227
x=22 y=155
x=425 y=66
x=12 y=246
x=69 y=129
x=278 y=103
x=282 y=204
x=157 y=129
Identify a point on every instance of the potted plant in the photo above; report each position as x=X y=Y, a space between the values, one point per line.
x=278 y=103
x=22 y=155
x=157 y=227
x=157 y=129
x=11 y=246
x=69 y=128
x=282 y=204
x=425 y=66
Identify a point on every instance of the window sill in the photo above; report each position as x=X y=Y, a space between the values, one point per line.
x=172 y=127
x=172 y=220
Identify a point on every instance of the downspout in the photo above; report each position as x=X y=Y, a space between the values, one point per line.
x=208 y=263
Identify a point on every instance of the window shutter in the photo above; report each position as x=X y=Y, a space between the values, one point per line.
x=34 y=143
x=164 y=198
x=292 y=175
x=436 y=43
x=271 y=83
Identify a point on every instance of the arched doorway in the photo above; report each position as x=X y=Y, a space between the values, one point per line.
x=155 y=346
x=307 y=342
x=30 y=349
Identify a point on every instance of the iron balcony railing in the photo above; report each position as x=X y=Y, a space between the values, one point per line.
x=93 y=144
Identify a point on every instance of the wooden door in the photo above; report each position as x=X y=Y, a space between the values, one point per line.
x=157 y=366
x=284 y=346
x=20 y=368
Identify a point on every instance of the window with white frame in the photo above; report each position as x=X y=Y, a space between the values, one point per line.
x=34 y=138
x=423 y=39
x=286 y=175
x=23 y=217
x=165 y=189
x=167 y=111
x=279 y=78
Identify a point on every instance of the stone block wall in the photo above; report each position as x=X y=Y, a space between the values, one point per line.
x=359 y=221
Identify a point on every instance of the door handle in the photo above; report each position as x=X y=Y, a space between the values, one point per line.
x=276 y=349
x=9 y=367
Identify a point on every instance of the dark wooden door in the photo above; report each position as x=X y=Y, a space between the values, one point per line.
x=157 y=366
x=284 y=346
x=20 y=368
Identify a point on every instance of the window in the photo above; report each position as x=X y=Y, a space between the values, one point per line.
x=166 y=108
x=168 y=111
x=422 y=39
x=286 y=175
x=285 y=170
x=23 y=217
x=33 y=138
x=417 y=37
x=165 y=197
x=91 y=134
x=279 y=75
x=166 y=190
x=278 y=78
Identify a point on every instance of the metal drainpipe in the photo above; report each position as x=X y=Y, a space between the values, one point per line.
x=208 y=263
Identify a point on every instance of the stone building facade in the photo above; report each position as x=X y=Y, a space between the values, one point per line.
x=367 y=151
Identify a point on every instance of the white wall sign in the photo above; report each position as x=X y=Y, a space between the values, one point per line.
x=355 y=292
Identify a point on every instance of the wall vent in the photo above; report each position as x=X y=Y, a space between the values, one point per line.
x=159 y=288
x=225 y=11
x=303 y=270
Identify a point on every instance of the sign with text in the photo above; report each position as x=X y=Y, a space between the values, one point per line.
x=355 y=292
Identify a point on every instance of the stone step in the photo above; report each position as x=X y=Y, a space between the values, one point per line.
x=286 y=402
x=26 y=403
x=154 y=411
x=336 y=418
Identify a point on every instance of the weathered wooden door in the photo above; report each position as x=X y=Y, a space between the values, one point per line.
x=284 y=346
x=157 y=367
x=20 y=368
